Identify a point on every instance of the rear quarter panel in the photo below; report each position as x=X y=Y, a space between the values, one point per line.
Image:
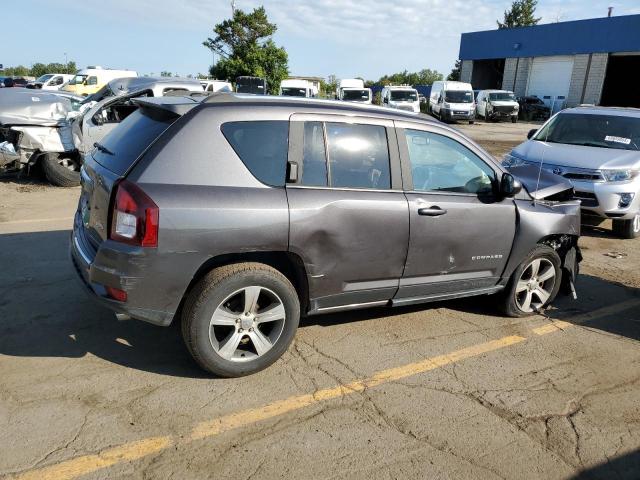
x=210 y=204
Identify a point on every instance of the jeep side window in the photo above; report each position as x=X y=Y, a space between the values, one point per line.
x=441 y=164
x=92 y=80
x=358 y=156
x=262 y=146
x=314 y=159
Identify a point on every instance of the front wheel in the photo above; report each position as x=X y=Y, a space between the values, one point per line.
x=534 y=284
x=240 y=318
x=627 y=228
x=62 y=170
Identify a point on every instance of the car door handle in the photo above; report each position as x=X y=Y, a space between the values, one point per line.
x=431 y=211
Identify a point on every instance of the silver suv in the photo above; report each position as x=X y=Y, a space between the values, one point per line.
x=598 y=149
x=237 y=215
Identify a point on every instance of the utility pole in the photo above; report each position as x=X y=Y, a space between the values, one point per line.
x=610 y=11
x=233 y=7
x=66 y=63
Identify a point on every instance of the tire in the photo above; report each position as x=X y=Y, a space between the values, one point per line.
x=471 y=122
x=60 y=170
x=513 y=300
x=627 y=228
x=514 y=119
x=213 y=316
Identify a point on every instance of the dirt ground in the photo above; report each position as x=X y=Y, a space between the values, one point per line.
x=443 y=391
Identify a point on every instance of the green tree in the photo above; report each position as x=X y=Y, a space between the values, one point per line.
x=329 y=87
x=245 y=47
x=455 y=73
x=164 y=73
x=426 y=76
x=521 y=14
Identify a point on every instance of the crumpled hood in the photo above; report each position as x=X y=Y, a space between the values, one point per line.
x=22 y=106
x=540 y=184
x=577 y=156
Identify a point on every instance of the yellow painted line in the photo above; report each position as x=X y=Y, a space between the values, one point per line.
x=83 y=465
x=247 y=417
x=554 y=326
x=90 y=463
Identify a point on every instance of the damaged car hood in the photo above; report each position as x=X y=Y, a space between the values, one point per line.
x=539 y=183
x=21 y=106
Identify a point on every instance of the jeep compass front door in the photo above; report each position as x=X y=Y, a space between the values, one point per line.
x=461 y=231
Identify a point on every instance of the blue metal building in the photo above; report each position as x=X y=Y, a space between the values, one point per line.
x=585 y=61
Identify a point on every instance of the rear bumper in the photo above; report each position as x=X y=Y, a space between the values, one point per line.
x=94 y=271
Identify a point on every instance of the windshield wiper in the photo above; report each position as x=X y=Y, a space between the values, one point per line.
x=103 y=149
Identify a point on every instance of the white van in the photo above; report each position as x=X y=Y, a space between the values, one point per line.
x=91 y=79
x=401 y=97
x=353 y=90
x=50 y=81
x=216 y=86
x=294 y=87
x=451 y=101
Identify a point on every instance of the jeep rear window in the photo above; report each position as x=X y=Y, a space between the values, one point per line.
x=262 y=146
x=123 y=145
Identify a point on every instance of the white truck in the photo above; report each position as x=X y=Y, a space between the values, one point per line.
x=451 y=101
x=294 y=87
x=353 y=90
x=401 y=97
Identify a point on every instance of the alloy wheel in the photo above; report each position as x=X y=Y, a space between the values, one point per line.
x=247 y=324
x=535 y=285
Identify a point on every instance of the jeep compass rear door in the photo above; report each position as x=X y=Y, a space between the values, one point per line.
x=349 y=219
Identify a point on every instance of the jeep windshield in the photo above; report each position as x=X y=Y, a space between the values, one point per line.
x=591 y=130
x=502 y=96
x=355 y=95
x=404 y=96
x=458 y=96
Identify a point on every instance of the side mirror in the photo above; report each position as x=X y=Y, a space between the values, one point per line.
x=509 y=186
x=531 y=133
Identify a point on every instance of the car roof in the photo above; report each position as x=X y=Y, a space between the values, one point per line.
x=597 y=110
x=497 y=91
x=297 y=103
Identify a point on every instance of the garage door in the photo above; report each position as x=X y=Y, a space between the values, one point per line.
x=550 y=77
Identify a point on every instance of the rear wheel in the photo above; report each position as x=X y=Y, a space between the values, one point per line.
x=61 y=170
x=514 y=119
x=534 y=284
x=627 y=228
x=240 y=318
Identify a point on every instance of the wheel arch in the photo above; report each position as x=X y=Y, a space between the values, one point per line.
x=287 y=263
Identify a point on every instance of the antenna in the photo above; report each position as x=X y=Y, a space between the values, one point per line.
x=610 y=10
x=544 y=151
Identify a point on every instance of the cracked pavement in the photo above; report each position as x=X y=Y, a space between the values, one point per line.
x=562 y=404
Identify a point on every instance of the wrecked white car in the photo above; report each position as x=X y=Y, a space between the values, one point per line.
x=34 y=128
x=56 y=130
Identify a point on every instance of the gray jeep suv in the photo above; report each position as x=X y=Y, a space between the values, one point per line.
x=239 y=214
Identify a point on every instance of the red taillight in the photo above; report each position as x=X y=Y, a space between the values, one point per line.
x=116 y=294
x=134 y=216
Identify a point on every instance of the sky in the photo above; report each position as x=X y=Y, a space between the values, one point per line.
x=347 y=38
